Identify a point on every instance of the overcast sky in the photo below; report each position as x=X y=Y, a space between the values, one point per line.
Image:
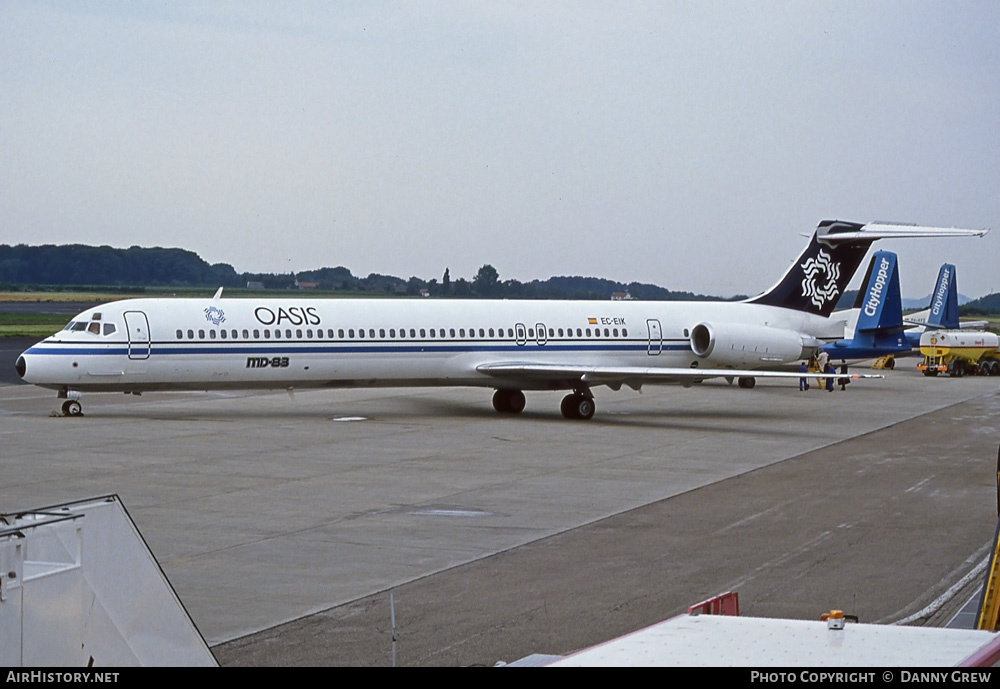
x=686 y=144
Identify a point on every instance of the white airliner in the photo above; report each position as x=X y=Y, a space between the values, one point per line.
x=140 y=345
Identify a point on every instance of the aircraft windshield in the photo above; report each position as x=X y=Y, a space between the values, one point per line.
x=94 y=327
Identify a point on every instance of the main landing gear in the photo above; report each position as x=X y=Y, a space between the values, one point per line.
x=576 y=405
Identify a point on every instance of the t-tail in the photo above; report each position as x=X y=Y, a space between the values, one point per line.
x=819 y=277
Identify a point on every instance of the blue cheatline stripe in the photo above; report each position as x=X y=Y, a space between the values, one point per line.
x=170 y=349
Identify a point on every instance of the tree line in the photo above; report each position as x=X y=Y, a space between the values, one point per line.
x=78 y=265
x=30 y=267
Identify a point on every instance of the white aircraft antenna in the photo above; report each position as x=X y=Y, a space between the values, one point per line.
x=218 y=294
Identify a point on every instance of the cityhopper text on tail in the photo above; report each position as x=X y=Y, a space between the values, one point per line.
x=140 y=345
x=877 y=315
x=875 y=325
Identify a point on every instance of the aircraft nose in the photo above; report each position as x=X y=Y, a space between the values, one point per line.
x=20 y=366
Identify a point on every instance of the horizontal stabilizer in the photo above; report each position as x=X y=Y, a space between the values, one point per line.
x=839 y=233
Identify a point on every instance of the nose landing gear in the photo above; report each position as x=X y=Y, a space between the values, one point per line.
x=72 y=408
x=71 y=402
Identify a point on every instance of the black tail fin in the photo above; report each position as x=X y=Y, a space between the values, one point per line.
x=820 y=275
x=815 y=282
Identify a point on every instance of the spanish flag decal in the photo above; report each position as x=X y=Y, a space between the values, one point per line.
x=592 y=321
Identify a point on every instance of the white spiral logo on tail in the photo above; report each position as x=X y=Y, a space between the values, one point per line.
x=820 y=281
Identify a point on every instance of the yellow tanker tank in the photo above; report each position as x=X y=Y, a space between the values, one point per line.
x=959 y=351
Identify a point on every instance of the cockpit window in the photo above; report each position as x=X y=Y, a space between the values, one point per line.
x=79 y=326
x=109 y=329
x=94 y=328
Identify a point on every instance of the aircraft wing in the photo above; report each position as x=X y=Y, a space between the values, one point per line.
x=636 y=375
x=973 y=325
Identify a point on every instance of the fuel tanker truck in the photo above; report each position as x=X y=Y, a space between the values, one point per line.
x=958 y=352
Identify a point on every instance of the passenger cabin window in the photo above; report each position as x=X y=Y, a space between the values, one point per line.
x=180 y=334
x=223 y=334
x=190 y=334
x=211 y=333
x=201 y=334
